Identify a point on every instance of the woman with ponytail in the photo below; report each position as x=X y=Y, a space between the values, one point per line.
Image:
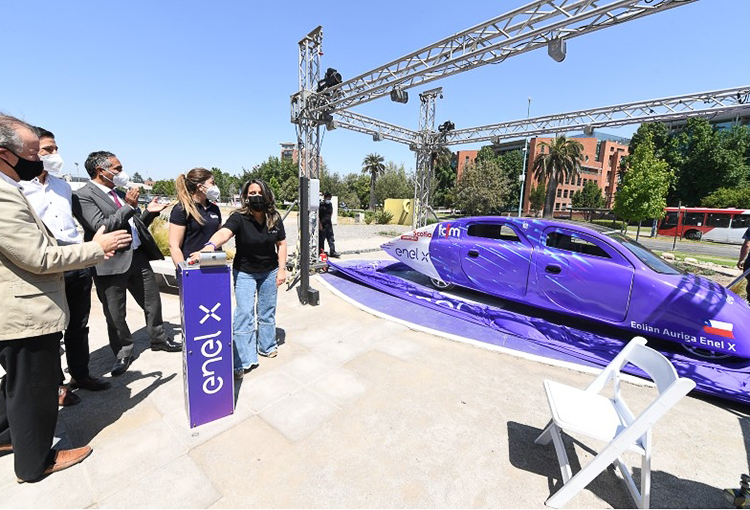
x=259 y=267
x=195 y=218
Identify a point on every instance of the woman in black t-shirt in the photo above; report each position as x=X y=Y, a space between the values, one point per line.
x=194 y=219
x=259 y=267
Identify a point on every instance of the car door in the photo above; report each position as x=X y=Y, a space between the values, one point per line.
x=496 y=258
x=582 y=274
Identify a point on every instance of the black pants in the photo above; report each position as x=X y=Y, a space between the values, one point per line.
x=326 y=233
x=78 y=295
x=112 y=291
x=28 y=401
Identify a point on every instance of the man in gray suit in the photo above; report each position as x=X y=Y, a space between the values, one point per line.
x=35 y=311
x=129 y=270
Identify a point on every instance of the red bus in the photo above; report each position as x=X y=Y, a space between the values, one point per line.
x=720 y=225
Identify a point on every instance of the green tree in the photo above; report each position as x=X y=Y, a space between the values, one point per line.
x=728 y=197
x=537 y=195
x=165 y=188
x=359 y=186
x=482 y=189
x=137 y=178
x=227 y=183
x=280 y=175
x=561 y=160
x=444 y=177
x=645 y=186
x=589 y=196
x=373 y=165
x=394 y=182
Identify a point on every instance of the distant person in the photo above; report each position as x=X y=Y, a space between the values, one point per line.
x=130 y=269
x=35 y=312
x=259 y=267
x=325 y=213
x=744 y=262
x=51 y=198
x=195 y=218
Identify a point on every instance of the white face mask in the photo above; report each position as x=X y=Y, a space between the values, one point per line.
x=119 y=180
x=53 y=164
x=213 y=193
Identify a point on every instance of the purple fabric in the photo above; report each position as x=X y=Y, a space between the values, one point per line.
x=725 y=378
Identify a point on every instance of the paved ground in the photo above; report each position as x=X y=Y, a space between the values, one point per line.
x=358 y=411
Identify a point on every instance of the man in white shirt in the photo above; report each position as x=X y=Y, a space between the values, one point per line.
x=51 y=198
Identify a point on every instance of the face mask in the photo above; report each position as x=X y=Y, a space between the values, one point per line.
x=53 y=164
x=27 y=169
x=327 y=201
x=256 y=202
x=119 y=180
x=213 y=193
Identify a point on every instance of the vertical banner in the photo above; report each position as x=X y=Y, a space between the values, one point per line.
x=206 y=310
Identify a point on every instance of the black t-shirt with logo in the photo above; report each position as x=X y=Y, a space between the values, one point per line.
x=255 y=242
x=196 y=235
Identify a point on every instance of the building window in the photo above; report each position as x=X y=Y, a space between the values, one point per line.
x=587 y=157
x=609 y=175
x=565 y=194
x=579 y=181
x=559 y=192
x=598 y=150
x=557 y=206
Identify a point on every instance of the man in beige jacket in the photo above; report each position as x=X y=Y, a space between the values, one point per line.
x=32 y=297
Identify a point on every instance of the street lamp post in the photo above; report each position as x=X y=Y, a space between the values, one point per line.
x=523 y=169
x=78 y=175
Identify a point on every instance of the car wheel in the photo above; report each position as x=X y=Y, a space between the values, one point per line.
x=440 y=284
x=706 y=353
x=693 y=234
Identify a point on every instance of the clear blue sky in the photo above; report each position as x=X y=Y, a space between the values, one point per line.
x=170 y=85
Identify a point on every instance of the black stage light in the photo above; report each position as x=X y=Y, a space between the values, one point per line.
x=332 y=77
x=399 y=96
x=446 y=126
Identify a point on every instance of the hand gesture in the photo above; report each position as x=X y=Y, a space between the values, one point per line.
x=131 y=197
x=155 y=207
x=111 y=241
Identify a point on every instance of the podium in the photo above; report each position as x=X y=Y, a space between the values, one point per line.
x=206 y=312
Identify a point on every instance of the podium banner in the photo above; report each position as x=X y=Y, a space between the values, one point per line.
x=206 y=310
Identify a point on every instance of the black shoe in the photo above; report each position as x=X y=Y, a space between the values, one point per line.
x=90 y=383
x=335 y=254
x=121 y=365
x=169 y=346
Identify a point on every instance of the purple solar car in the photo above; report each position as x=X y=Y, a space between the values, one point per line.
x=585 y=271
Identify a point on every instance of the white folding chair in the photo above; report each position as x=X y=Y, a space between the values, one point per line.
x=610 y=420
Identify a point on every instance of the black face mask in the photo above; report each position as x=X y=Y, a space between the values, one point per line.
x=256 y=202
x=27 y=169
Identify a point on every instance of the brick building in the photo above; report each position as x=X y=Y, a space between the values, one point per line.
x=601 y=159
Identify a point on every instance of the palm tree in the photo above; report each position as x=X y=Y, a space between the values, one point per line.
x=373 y=164
x=561 y=161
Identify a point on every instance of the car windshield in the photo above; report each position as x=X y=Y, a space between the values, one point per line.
x=645 y=255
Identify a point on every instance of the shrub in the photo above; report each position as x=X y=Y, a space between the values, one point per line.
x=160 y=230
x=614 y=224
x=383 y=217
x=369 y=216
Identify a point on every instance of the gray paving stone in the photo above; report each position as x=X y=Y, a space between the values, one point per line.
x=342 y=349
x=341 y=386
x=66 y=489
x=178 y=484
x=190 y=438
x=299 y=414
x=308 y=367
x=259 y=392
x=120 y=461
x=398 y=347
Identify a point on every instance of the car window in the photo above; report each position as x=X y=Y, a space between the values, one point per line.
x=670 y=220
x=493 y=231
x=741 y=221
x=570 y=242
x=651 y=259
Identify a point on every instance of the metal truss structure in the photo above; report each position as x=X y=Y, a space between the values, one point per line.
x=538 y=24
x=735 y=101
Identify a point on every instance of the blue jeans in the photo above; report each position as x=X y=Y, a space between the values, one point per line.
x=250 y=340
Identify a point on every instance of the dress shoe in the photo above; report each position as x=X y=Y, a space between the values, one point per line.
x=168 y=346
x=335 y=254
x=90 y=383
x=63 y=460
x=66 y=397
x=121 y=365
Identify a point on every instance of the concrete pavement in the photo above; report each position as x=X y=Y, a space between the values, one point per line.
x=357 y=411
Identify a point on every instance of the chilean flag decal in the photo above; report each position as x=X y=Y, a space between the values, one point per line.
x=718 y=328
